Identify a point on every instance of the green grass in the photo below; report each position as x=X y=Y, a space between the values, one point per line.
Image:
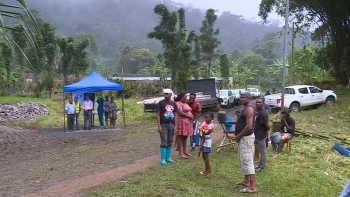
x=134 y=112
x=313 y=168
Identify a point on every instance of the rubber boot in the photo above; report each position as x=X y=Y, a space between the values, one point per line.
x=163 y=156
x=168 y=155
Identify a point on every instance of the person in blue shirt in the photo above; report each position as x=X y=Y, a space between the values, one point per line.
x=70 y=111
x=267 y=93
x=100 y=111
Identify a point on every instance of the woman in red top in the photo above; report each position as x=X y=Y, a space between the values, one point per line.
x=196 y=111
x=184 y=125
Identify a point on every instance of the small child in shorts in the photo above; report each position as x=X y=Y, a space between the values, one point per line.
x=206 y=133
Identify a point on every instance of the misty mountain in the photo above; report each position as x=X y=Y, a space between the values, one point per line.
x=120 y=23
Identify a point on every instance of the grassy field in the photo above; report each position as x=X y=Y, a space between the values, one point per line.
x=133 y=112
x=313 y=168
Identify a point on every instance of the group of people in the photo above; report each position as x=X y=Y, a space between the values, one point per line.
x=107 y=109
x=180 y=119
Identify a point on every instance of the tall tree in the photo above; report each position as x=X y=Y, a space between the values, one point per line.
x=177 y=49
x=6 y=53
x=224 y=65
x=333 y=17
x=50 y=47
x=67 y=49
x=267 y=47
x=207 y=40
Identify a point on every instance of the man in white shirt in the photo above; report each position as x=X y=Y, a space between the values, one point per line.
x=70 y=111
x=87 y=107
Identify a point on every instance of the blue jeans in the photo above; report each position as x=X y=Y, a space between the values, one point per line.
x=167 y=137
x=77 y=121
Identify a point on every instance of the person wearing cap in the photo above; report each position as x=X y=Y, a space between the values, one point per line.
x=245 y=139
x=166 y=120
x=77 y=111
x=287 y=128
x=105 y=108
x=70 y=111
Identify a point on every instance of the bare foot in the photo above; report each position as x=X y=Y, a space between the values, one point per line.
x=188 y=154
x=183 y=156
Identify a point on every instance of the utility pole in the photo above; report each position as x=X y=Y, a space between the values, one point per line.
x=292 y=66
x=285 y=54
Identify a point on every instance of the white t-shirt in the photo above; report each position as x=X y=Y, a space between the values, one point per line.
x=207 y=140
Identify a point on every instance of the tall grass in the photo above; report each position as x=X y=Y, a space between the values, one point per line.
x=313 y=168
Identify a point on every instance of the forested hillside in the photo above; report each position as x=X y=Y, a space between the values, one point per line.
x=120 y=23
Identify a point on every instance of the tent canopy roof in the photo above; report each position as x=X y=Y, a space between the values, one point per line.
x=91 y=83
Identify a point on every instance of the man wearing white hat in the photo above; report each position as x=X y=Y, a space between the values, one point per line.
x=166 y=113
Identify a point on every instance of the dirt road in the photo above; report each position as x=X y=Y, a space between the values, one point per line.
x=54 y=163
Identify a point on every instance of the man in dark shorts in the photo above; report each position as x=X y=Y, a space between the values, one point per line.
x=166 y=113
x=261 y=128
x=245 y=138
x=196 y=111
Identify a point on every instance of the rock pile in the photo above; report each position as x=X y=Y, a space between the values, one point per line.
x=14 y=111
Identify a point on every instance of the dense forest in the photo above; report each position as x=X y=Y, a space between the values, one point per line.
x=158 y=38
x=120 y=23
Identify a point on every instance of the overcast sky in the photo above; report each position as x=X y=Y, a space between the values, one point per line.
x=247 y=8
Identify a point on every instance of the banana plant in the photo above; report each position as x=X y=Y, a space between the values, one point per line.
x=26 y=19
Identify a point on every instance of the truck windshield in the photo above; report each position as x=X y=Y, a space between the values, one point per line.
x=223 y=93
x=251 y=89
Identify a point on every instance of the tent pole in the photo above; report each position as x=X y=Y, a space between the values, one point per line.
x=123 y=110
x=64 y=113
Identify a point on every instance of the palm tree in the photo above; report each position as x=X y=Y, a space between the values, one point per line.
x=26 y=19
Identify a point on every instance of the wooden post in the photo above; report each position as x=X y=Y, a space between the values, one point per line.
x=123 y=110
x=64 y=113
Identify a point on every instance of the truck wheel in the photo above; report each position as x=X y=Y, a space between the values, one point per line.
x=228 y=104
x=295 y=107
x=329 y=101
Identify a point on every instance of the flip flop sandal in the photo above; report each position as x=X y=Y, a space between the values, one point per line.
x=242 y=184
x=202 y=172
x=245 y=190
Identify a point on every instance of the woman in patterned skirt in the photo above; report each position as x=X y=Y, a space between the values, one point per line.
x=112 y=109
x=184 y=125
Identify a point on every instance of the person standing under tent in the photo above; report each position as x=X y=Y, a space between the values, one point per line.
x=70 y=111
x=105 y=108
x=87 y=107
x=77 y=112
x=100 y=111
x=112 y=109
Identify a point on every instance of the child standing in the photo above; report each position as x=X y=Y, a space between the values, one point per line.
x=206 y=132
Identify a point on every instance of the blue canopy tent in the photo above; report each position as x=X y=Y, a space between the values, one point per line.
x=95 y=82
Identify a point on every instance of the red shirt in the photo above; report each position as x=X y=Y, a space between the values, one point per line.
x=196 y=108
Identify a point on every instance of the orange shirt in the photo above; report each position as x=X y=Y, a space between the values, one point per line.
x=196 y=108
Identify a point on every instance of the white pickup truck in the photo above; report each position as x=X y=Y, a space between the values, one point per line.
x=299 y=96
x=227 y=98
